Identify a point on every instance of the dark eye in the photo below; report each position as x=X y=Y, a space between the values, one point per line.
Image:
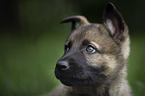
x=90 y=49
x=68 y=46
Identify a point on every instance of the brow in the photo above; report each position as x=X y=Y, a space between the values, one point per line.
x=97 y=45
x=85 y=42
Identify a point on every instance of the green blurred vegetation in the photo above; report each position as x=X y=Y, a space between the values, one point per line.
x=31 y=42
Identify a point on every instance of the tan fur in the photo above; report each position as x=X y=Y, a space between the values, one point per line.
x=125 y=49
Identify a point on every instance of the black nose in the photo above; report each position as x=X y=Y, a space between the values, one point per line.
x=62 y=65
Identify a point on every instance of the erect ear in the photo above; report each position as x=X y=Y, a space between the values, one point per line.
x=115 y=22
x=76 y=21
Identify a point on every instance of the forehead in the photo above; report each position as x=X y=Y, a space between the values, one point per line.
x=92 y=32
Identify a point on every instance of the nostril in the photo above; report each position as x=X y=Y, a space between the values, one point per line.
x=62 y=65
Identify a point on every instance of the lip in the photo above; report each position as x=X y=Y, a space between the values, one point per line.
x=68 y=80
x=71 y=80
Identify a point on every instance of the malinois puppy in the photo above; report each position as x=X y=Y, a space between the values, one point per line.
x=94 y=62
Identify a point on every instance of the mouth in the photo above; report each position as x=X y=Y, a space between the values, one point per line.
x=78 y=80
x=71 y=79
x=74 y=81
x=69 y=82
x=65 y=79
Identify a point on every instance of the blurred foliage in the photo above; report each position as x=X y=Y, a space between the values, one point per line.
x=31 y=41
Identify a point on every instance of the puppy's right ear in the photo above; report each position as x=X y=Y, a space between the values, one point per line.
x=76 y=21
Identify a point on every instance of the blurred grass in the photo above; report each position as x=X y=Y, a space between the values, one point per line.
x=27 y=65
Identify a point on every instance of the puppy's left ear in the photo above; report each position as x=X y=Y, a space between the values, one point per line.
x=115 y=23
x=76 y=21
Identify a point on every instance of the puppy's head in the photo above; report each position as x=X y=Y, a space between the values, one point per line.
x=94 y=52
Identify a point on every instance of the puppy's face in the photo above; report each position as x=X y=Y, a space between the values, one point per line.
x=93 y=53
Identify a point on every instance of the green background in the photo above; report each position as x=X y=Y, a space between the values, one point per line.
x=31 y=41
